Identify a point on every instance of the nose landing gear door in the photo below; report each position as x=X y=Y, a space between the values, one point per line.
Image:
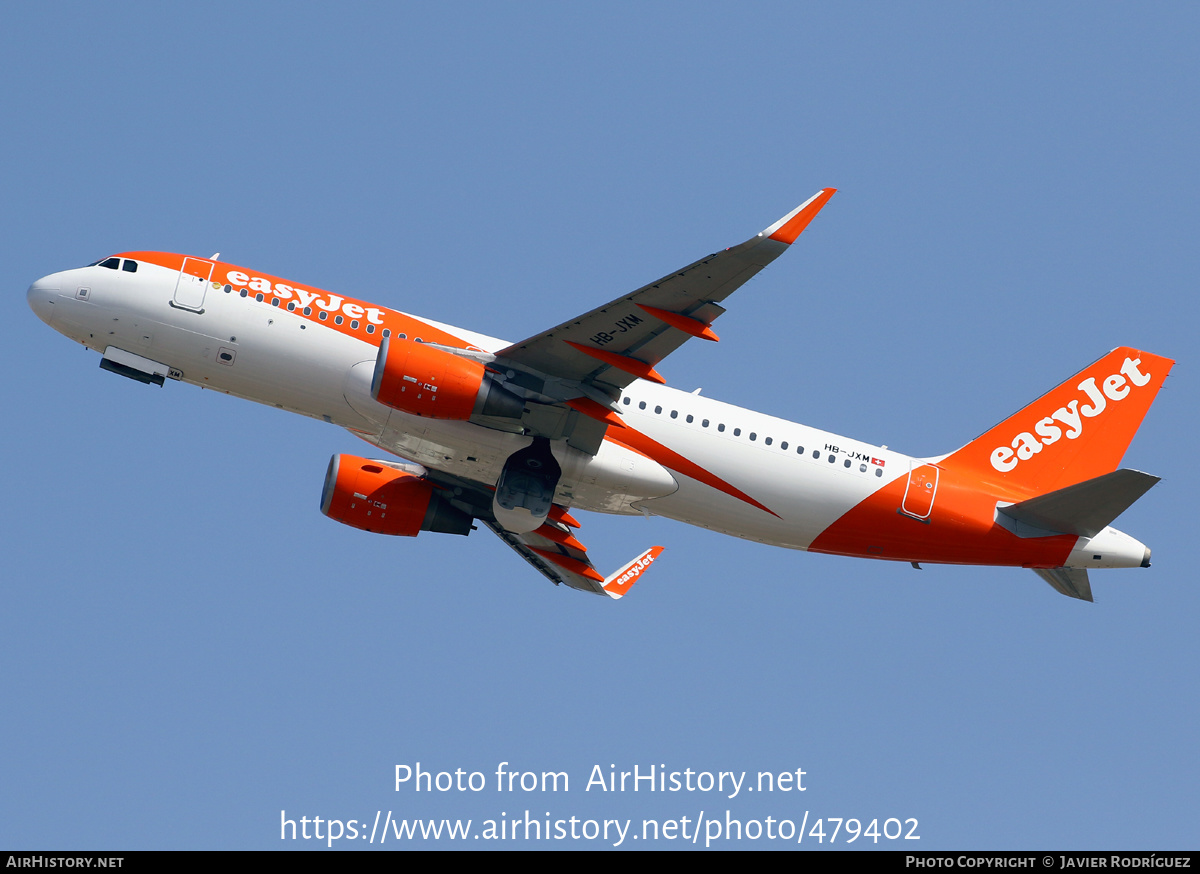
x=192 y=284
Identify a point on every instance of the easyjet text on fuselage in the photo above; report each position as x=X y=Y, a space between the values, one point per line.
x=304 y=297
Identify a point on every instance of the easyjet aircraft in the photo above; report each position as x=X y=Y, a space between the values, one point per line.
x=517 y=436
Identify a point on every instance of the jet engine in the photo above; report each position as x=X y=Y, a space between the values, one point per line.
x=373 y=496
x=419 y=379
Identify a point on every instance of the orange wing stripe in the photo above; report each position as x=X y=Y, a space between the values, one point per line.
x=687 y=324
x=632 y=366
x=558 y=514
x=570 y=564
x=589 y=407
x=797 y=223
x=552 y=533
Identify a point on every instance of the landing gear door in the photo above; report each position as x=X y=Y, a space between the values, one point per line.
x=920 y=492
x=192 y=284
x=525 y=490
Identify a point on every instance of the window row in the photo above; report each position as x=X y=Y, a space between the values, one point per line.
x=753 y=436
x=322 y=315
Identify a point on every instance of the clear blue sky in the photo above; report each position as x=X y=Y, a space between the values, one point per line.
x=190 y=647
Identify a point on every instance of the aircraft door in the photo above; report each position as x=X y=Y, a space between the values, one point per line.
x=920 y=492
x=192 y=284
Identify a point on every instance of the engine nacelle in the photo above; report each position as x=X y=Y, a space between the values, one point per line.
x=372 y=496
x=424 y=381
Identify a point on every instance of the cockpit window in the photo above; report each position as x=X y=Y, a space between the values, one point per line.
x=111 y=263
x=129 y=266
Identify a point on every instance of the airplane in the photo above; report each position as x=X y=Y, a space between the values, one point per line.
x=518 y=436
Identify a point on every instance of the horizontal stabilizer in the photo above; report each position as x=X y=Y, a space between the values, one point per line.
x=1070 y=581
x=1084 y=509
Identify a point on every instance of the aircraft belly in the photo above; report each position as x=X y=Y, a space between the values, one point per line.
x=609 y=482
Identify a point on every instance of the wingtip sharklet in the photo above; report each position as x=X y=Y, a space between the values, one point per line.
x=788 y=228
x=619 y=583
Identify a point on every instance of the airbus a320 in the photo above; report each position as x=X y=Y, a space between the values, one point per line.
x=519 y=436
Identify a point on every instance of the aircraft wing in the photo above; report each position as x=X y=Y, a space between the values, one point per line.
x=552 y=548
x=561 y=558
x=610 y=347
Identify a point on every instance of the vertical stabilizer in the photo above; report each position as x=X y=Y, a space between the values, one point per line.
x=1075 y=432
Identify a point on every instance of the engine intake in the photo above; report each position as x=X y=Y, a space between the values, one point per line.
x=418 y=379
x=372 y=496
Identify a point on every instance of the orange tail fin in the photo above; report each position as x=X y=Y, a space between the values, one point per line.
x=1077 y=431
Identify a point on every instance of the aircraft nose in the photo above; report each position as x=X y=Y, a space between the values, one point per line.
x=41 y=296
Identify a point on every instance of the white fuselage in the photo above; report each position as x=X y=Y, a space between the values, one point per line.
x=740 y=472
x=288 y=362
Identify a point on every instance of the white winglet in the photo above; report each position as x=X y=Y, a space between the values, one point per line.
x=619 y=583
